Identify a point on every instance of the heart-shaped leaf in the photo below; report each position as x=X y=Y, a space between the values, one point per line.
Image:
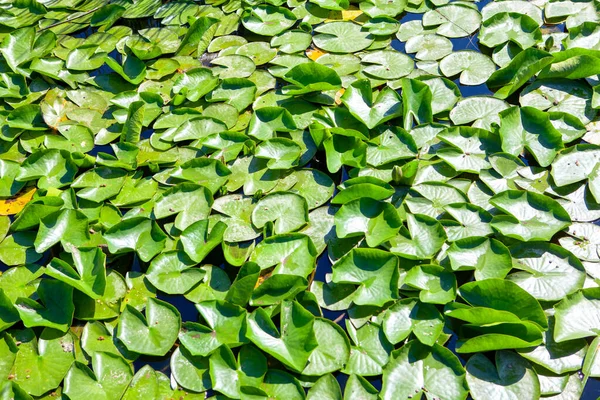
x=423 y=238
x=575 y=315
x=110 y=377
x=293 y=343
x=42 y=363
x=377 y=220
x=152 y=334
x=375 y=271
x=411 y=372
x=286 y=211
x=372 y=112
x=412 y=316
x=291 y=254
x=511 y=376
x=138 y=234
x=54 y=309
x=342 y=37
x=226 y=326
x=173 y=273
x=531 y=129
x=89 y=274
x=531 y=216
x=548 y=271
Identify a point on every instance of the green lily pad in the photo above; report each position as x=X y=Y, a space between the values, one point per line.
x=110 y=377
x=531 y=216
x=448 y=380
x=575 y=313
x=286 y=211
x=311 y=77
x=292 y=41
x=386 y=64
x=504 y=295
x=472 y=221
x=423 y=238
x=520 y=69
x=480 y=110
x=173 y=273
x=557 y=357
x=453 y=20
x=281 y=153
x=106 y=307
x=226 y=326
x=548 y=271
x=290 y=254
x=138 y=234
x=238 y=92
x=236 y=212
x=562 y=95
x=295 y=340
x=436 y=285
x=89 y=274
x=176 y=200
x=96 y=338
x=27 y=117
x=510 y=26
x=190 y=372
x=42 y=362
x=378 y=221
x=342 y=37
x=371 y=350
x=268 y=120
x=54 y=308
x=358 y=387
x=412 y=316
x=488 y=257
x=332 y=351
x=474 y=68
x=52 y=168
x=268 y=20
x=374 y=271
x=511 y=376
x=152 y=334
x=195 y=83
x=359 y=100
x=279 y=383
x=18 y=248
x=429 y=47
x=229 y=375
x=144 y=383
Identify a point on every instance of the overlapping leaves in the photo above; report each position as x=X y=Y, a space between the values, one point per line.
x=218 y=186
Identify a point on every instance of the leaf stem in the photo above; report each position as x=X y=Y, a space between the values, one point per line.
x=75 y=17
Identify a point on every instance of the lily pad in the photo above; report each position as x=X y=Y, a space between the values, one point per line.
x=453 y=20
x=448 y=380
x=152 y=334
x=511 y=376
x=375 y=271
x=275 y=209
x=549 y=272
x=42 y=362
x=268 y=20
x=110 y=378
x=372 y=112
x=377 y=220
x=531 y=216
x=342 y=37
x=293 y=342
x=474 y=68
